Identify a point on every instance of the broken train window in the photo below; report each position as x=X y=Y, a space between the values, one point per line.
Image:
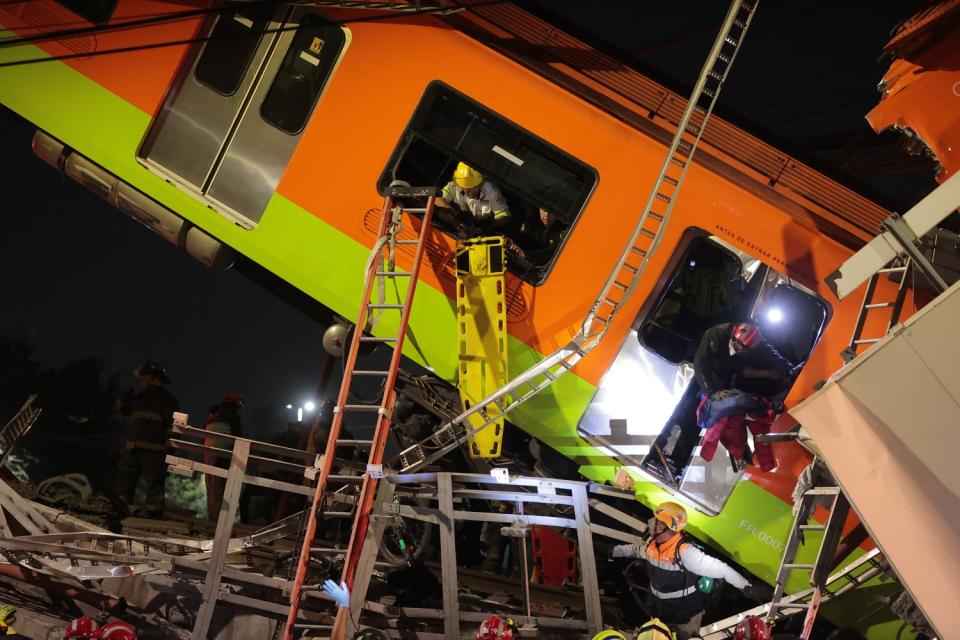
x=449 y=127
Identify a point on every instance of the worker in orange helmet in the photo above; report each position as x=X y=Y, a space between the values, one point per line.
x=674 y=565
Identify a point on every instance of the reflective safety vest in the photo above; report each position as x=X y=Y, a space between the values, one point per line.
x=677 y=598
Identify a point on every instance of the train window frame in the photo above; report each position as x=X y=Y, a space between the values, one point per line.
x=322 y=59
x=236 y=72
x=91 y=14
x=756 y=298
x=510 y=147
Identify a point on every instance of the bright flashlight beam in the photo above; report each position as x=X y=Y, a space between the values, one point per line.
x=309 y=406
x=775 y=315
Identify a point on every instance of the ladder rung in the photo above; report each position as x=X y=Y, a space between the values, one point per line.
x=878 y=305
x=740 y=23
x=630 y=268
x=797 y=565
x=867 y=341
x=723 y=57
x=337 y=478
x=670 y=181
x=793 y=605
x=386 y=306
x=822 y=491
x=892 y=270
x=709 y=92
x=677 y=161
x=731 y=41
x=715 y=75
x=663 y=197
x=603 y=320
x=611 y=301
x=413 y=209
x=408 y=242
x=397 y=274
x=642 y=252
x=812 y=527
x=354 y=443
x=377 y=339
x=362 y=407
x=648 y=233
x=620 y=285
x=656 y=216
x=369 y=372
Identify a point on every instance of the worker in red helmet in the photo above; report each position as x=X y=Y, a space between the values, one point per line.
x=497 y=628
x=674 y=565
x=752 y=628
x=735 y=356
x=222 y=418
x=82 y=627
x=739 y=372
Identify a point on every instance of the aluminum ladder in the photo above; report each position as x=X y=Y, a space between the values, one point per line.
x=380 y=268
x=901 y=266
x=630 y=266
x=819 y=570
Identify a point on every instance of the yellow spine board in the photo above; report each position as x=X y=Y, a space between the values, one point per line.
x=481 y=335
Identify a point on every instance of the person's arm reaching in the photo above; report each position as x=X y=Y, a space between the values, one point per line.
x=698 y=562
x=629 y=551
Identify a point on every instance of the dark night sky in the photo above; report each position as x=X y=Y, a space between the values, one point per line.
x=80 y=278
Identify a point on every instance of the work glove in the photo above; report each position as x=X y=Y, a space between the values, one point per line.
x=758 y=592
x=340 y=593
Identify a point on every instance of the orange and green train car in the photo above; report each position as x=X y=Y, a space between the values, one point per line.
x=266 y=129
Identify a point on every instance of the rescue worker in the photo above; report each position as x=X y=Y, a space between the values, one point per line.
x=610 y=634
x=222 y=418
x=654 y=629
x=476 y=197
x=539 y=237
x=743 y=378
x=150 y=416
x=673 y=566
x=735 y=356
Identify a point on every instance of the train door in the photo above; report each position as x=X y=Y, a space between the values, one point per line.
x=238 y=108
x=644 y=412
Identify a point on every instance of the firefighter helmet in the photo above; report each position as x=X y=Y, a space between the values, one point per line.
x=746 y=334
x=466 y=176
x=82 y=627
x=151 y=368
x=233 y=398
x=672 y=515
x=654 y=629
x=497 y=628
x=370 y=634
x=118 y=630
x=610 y=634
x=752 y=628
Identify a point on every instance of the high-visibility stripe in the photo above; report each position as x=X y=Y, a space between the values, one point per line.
x=503 y=213
x=673 y=594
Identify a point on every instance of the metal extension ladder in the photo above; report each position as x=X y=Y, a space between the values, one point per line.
x=629 y=268
x=380 y=267
x=820 y=569
x=901 y=266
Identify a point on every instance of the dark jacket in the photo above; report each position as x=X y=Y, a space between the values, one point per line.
x=150 y=416
x=716 y=369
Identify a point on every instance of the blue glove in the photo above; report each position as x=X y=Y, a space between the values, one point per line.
x=340 y=594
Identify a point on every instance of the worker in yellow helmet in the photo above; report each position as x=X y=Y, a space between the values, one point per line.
x=470 y=193
x=654 y=629
x=674 y=565
x=610 y=634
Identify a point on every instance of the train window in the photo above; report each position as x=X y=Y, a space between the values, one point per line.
x=231 y=46
x=544 y=188
x=95 y=11
x=303 y=74
x=705 y=290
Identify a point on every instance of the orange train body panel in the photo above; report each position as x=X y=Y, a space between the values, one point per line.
x=921 y=89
